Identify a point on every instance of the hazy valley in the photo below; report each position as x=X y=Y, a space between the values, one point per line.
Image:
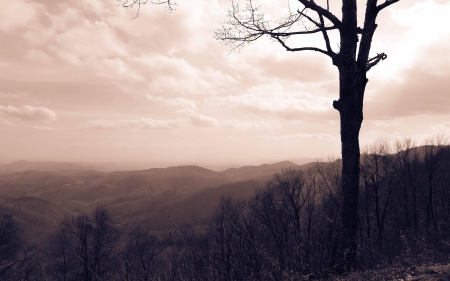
x=40 y=194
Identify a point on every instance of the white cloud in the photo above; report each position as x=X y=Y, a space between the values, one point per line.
x=441 y=128
x=117 y=68
x=167 y=66
x=427 y=24
x=199 y=120
x=252 y=125
x=276 y=103
x=6 y=123
x=14 y=96
x=426 y=20
x=17 y=13
x=43 y=128
x=303 y=136
x=194 y=120
x=287 y=104
x=175 y=102
x=28 y=112
x=38 y=56
x=143 y=123
x=97 y=6
x=88 y=41
x=386 y=123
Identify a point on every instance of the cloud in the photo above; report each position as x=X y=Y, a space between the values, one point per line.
x=28 y=113
x=13 y=96
x=422 y=93
x=143 y=123
x=87 y=41
x=117 y=68
x=167 y=66
x=441 y=128
x=199 y=120
x=301 y=68
x=276 y=103
x=252 y=125
x=6 y=123
x=43 y=128
x=289 y=105
x=38 y=56
x=421 y=89
x=17 y=13
x=303 y=136
x=425 y=20
x=175 y=102
x=386 y=123
x=194 y=120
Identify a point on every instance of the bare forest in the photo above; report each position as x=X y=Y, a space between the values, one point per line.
x=286 y=230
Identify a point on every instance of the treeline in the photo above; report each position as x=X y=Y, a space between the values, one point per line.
x=287 y=231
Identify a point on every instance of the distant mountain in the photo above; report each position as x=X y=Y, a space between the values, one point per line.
x=261 y=172
x=259 y=162
x=47 y=166
x=295 y=160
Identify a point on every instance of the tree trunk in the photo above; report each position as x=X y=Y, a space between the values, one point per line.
x=352 y=83
x=350 y=188
x=352 y=87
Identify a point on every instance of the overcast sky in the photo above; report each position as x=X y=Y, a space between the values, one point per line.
x=84 y=81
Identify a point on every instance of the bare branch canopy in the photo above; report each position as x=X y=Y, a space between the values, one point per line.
x=248 y=24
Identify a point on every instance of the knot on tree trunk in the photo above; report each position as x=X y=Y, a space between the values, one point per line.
x=337 y=105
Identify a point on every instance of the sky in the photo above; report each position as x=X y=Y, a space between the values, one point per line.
x=86 y=81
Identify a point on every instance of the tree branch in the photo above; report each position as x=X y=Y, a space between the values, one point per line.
x=324 y=12
x=367 y=34
x=386 y=4
x=248 y=25
x=375 y=60
x=129 y=4
x=287 y=34
x=326 y=38
x=308 y=17
x=301 y=49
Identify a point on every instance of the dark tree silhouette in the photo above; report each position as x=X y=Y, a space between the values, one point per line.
x=352 y=61
x=140 y=254
x=85 y=247
x=9 y=244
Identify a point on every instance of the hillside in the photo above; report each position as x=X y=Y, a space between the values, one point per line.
x=38 y=199
x=261 y=172
x=47 y=166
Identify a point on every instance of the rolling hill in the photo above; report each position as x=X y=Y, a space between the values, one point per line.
x=40 y=196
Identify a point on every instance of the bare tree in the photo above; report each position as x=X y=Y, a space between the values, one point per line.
x=378 y=180
x=352 y=61
x=140 y=253
x=85 y=248
x=329 y=178
x=409 y=179
x=432 y=158
x=9 y=244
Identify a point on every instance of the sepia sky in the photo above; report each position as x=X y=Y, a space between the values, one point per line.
x=84 y=81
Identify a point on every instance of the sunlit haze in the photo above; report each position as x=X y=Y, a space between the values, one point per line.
x=85 y=81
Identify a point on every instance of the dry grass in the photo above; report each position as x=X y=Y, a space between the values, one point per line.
x=419 y=273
